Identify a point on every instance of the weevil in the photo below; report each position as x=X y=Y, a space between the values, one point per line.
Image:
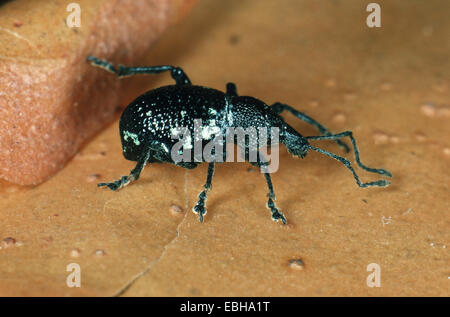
x=147 y=122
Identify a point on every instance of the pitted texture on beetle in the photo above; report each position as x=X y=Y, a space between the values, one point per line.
x=156 y=113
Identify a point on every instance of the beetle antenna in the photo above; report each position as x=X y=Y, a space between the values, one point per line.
x=380 y=183
x=279 y=107
x=355 y=148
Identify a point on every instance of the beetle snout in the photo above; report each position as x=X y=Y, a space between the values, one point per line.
x=299 y=148
x=296 y=144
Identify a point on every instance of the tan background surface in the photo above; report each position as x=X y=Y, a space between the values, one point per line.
x=390 y=86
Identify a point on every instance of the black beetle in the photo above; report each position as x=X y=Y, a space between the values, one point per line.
x=146 y=126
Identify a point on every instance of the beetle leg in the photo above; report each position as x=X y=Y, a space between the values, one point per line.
x=122 y=71
x=276 y=214
x=200 y=206
x=280 y=107
x=231 y=90
x=262 y=164
x=133 y=176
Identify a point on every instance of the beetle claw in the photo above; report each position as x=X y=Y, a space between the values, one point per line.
x=200 y=210
x=116 y=185
x=277 y=216
x=112 y=186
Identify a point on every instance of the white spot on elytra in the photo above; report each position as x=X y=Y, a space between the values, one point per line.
x=133 y=136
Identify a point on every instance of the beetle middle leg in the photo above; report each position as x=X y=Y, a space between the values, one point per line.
x=133 y=176
x=279 y=107
x=200 y=206
x=177 y=73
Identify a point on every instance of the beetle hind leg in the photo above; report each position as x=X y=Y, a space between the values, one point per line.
x=177 y=73
x=200 y=207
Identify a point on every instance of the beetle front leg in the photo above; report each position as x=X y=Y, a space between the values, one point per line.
x=262 y=163
x=133 y=176
x=200 y=208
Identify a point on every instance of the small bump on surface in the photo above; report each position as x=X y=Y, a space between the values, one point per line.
x=296 y=264
x=8 y=242
x=421 y=137
x=380 y=138
x=75 y=253
x=93 y=177
x=100 y=252
x=17 y=23
x=339 y=118
x=313 y=103
x=428 y=110
x=446 y=151
x=330 y=83
x=175 y=210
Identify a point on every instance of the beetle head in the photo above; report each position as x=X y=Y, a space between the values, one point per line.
x=296 y=144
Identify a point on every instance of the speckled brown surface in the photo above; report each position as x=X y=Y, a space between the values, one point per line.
x=391 y=86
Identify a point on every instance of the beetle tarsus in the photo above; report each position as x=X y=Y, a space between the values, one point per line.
x=200 y=206
x=276 y=214
x=116 y=185
x=200 y=210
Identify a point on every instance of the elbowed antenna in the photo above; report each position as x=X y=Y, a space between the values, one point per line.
x=380 y=183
